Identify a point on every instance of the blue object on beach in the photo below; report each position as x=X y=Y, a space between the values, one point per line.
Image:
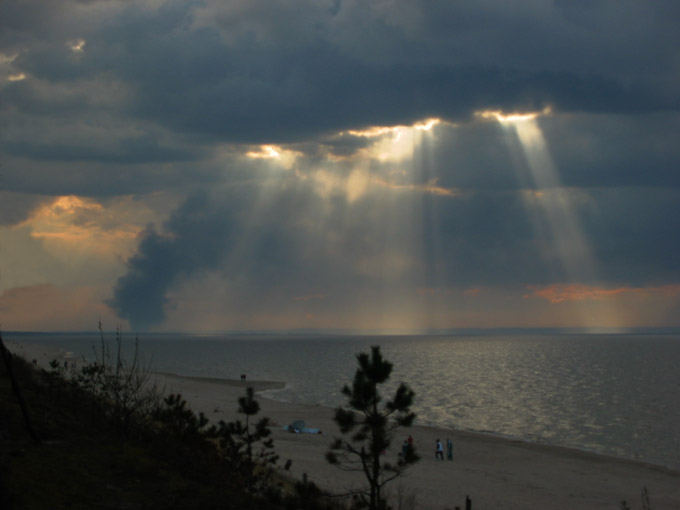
x=298 y=427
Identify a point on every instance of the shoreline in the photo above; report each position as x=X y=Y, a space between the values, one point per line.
x=261 y=386
x=470 y=432
x=495 y=471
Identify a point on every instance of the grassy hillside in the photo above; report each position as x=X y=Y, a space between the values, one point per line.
x=164 y=457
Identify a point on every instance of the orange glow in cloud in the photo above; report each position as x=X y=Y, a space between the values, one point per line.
x=506 y=118
x=430 y=188
x=376 y=131
x=75 y=223
x=265 y=152
x=387 y=144
x=393 y=143
x=560 y=293
x=284 y=157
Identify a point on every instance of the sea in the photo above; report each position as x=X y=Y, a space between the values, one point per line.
x=613 y=394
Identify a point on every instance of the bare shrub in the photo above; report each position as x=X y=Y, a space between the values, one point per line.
x=123 y=389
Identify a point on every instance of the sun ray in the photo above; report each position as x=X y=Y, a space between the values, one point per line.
x=552 y=210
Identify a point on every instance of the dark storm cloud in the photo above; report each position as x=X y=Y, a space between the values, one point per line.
x=254 y=90
x=16 y=207
x=192 y=244
x=479 y=237
x=208 y=233
x=131 y=150
x=345 y=144
x=263 y=84
x=459 y=160
x=101 y=180
x=589 y=151
x=166 y=83
x=493 y=239
x=633 y=233
x=611 y=151
x=24 y=21
x=113 y=97
x=482 y=239
x=257 y=109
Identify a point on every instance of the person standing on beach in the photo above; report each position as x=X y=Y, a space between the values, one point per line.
x=439 y=453
x=449 y=449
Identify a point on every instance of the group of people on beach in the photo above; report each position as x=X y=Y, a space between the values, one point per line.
x=439 y=450
x=407 y=448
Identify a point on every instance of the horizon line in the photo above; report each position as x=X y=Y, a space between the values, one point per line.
x=661 y=330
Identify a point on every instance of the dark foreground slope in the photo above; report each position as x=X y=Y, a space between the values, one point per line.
x=83 y=460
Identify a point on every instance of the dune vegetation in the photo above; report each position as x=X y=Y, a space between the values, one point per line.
x=103 y=437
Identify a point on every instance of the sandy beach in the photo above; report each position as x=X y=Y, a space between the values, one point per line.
x=495 y=473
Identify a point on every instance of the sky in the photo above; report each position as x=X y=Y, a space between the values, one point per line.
x=364 y=165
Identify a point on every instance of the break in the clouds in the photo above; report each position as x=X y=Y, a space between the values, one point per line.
x=340 y=164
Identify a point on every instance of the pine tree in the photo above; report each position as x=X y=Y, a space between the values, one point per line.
x=249 y=448
x=369 y=428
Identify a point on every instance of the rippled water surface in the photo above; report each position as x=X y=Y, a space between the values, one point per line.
x=614 y=394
